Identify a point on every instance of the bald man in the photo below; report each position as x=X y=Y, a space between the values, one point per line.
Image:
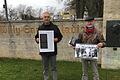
x=49 y=57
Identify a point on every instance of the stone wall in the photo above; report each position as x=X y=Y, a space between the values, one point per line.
x=17 y=38
x=111 y=58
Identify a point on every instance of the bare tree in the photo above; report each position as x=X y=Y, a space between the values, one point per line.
x=38 y=12
x=79 y=8
x=26 y=12
x=21 y=9
x=12 y=14
x=2 y=15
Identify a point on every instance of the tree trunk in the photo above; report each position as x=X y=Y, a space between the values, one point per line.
x=79 y=8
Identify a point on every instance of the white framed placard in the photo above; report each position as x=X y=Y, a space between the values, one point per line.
x=46 y=41
x=86 y=51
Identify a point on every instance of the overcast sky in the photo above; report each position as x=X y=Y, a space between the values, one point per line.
x=34 y=3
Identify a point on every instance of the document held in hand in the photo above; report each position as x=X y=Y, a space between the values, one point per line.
x=46 y=41
x=86 y=51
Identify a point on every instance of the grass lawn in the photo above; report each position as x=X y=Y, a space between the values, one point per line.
x=21 y=69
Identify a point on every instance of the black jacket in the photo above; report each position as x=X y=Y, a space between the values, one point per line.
x=57 y=34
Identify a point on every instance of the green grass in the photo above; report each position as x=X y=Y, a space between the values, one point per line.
x=21 y=69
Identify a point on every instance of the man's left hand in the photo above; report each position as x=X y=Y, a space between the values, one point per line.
x=100 y=45
x=55 y=39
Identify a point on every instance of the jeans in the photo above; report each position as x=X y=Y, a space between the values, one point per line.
x=85 y=65
x=46 y=60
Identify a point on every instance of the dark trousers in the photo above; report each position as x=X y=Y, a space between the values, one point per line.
x=85 y=67
x=49 y=60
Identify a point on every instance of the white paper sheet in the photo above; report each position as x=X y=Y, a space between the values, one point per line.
x=50 y=41
x=86 y=51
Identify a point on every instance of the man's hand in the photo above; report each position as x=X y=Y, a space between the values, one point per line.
x=37 y=40
x=100 y=45
x=71 y=46
x=55 y=39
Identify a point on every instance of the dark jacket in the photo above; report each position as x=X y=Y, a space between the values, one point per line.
x=57 y=34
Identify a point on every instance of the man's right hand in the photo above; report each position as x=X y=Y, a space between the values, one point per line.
x=71 y=46
x=37 y=40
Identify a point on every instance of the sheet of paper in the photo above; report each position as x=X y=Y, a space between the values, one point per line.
x=86 y=51
x=46 y=41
